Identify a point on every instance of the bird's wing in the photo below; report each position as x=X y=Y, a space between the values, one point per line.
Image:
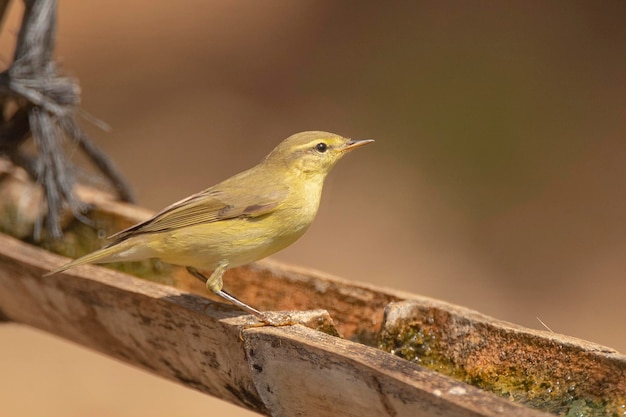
x=209 y=206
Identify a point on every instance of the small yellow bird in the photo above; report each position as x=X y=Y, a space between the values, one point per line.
x=240 y=220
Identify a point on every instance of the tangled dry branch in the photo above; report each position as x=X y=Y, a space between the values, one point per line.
x=38 y=101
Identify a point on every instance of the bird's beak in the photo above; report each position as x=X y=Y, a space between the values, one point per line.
x=353 y=144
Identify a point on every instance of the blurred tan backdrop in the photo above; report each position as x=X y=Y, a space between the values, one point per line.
x=497 y=180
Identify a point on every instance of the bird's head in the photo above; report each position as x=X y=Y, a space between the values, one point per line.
x=313 y=153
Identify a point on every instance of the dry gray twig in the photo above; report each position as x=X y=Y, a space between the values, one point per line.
x=47 y=104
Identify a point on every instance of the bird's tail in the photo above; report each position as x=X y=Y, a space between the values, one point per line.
x=123 y=251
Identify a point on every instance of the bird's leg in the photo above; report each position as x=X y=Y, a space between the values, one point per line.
x=214 y=283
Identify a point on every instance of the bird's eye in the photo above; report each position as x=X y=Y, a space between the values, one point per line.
x=321 y=147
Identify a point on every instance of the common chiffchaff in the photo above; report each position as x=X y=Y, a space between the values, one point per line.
x=240 y=220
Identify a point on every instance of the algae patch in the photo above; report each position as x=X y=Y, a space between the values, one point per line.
x=546 y=377
x=79 y=239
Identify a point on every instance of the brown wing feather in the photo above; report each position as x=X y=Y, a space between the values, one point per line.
x=208 y=206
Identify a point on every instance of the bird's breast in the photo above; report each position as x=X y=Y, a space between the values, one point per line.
x=243 y=240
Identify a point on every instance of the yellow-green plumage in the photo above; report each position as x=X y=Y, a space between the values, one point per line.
x=240 y=220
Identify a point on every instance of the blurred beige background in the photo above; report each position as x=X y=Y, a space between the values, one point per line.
x=497 y=180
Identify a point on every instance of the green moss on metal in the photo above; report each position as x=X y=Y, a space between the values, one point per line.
x=419 y=341
x=11 y=223
x=80 y=239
